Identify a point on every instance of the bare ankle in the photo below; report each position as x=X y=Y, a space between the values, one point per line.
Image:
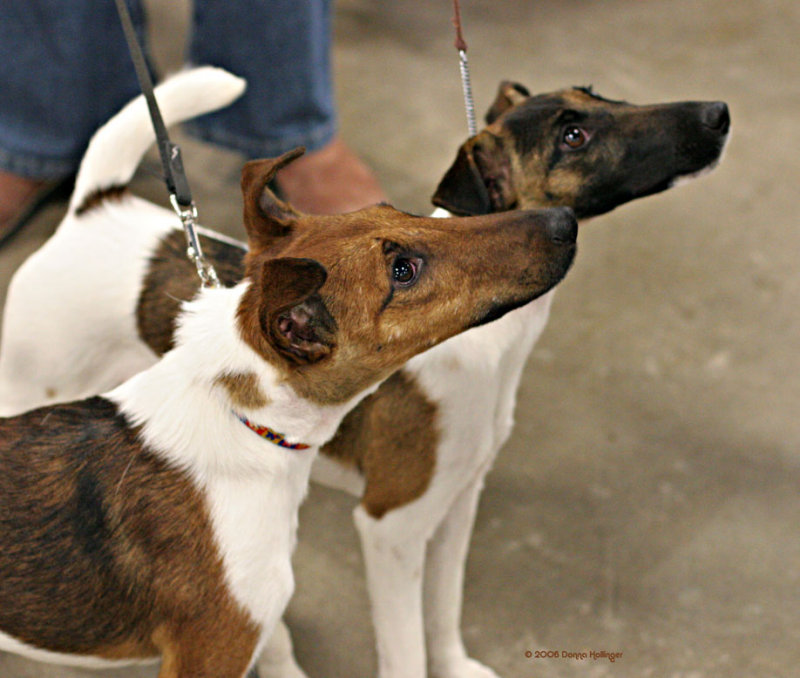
x=330 y=180
x=15 y=191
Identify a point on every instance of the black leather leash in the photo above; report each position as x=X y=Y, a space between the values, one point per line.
x=180 y=194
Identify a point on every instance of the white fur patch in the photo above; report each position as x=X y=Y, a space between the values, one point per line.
x=45 y=354
x=10 y=644
x=686 y=178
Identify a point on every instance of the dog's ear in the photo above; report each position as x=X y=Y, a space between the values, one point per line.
x=509 y=94
x=266 y=217
x=294 y=319
x=479 y=181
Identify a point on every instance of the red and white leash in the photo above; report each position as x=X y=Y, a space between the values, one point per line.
x=461 y=46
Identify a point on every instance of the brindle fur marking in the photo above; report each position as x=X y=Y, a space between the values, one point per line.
x=172 y=279
x=391 y=438
x=117 y=529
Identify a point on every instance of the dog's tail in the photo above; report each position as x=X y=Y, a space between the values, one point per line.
x=116 y=149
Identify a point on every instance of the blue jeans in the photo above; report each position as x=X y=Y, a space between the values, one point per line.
x=65 y=69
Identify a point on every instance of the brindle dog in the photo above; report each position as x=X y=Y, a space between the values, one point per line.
x=575 y=148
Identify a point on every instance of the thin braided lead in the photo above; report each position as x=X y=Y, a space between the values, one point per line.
x=461 y=46
x=469 y=104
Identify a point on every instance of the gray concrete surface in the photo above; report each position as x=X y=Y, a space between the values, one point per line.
x=648 y=500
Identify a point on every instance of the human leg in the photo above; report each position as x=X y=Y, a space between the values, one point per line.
x=64 y=69
x=282 y=48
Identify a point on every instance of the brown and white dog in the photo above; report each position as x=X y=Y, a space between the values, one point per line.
x=159 y=519
x=418 y=473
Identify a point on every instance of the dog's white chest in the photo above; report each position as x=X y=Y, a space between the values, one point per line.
x=255 y=526
x=473 y=379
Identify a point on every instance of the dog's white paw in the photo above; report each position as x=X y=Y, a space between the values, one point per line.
x=465 y=668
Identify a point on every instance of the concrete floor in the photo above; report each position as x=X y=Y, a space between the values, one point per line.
x=648 y=501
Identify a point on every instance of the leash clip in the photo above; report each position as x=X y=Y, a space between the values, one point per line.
x=188 y=216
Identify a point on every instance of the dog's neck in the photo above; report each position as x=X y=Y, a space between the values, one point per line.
x=189 y=412
x=509 y=338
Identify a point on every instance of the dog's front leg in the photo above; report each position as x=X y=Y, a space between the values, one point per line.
x=394 y=561
x=207 y=648
x=443 y=592
x=183 y=666
x=277 y=659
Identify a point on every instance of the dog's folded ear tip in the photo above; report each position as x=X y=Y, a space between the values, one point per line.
x=462 y=190
x=262 y=170
x=312 y=269
x=266 y=215
x=303 y=275
x=509 y=94
x=299 y=327
x=291 y=155
x=510 y=85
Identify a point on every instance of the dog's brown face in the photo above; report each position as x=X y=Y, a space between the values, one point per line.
x=339 y=302
x=576 y=149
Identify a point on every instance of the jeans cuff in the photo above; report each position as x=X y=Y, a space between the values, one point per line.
x=313 y=139
x=36 y=167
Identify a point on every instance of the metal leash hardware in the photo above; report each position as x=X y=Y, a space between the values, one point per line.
x=463 y=64
x=180 y=196
x=188 y=216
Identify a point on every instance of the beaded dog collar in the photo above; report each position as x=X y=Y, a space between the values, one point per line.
x=268 y=434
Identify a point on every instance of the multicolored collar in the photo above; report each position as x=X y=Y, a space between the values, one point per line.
x=268 y=434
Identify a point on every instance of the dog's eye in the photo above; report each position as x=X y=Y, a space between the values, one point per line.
x=574 y=137
x=405 y=270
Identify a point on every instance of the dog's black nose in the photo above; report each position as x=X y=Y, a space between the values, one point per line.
x=716 y=116
x=562 y=225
